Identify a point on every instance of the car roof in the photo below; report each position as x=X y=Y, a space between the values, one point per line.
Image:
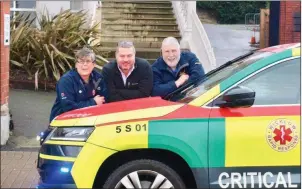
x=280 y=48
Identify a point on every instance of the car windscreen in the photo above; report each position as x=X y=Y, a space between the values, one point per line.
x=194 y=90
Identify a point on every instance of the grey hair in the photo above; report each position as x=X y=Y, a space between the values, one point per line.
x=170 y=41
x=84 y=52
x=125 y=44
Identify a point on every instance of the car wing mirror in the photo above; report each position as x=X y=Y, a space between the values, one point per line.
x=239 y=96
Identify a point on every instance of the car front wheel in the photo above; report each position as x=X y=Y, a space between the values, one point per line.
x=144 y=174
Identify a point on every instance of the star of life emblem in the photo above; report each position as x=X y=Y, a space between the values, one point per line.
x=282 y=135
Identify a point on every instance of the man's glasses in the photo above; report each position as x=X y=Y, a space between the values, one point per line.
x=82 y=62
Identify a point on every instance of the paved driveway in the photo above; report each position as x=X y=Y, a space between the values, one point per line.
x=229 y=41
x=30 y=110
x=18 y=169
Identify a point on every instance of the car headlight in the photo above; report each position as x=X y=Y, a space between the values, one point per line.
x=43 y=135
x=71 y=133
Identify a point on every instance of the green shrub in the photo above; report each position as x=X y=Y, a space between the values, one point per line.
x=49 y=49
x=232 y=12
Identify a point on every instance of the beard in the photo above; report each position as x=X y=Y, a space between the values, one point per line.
x=172 y=62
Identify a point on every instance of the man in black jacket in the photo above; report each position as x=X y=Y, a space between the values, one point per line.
x=127 y=77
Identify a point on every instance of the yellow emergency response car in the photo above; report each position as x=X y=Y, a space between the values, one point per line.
x=237 y=127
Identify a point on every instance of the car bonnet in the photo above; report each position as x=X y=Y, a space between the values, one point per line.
x=142 y=108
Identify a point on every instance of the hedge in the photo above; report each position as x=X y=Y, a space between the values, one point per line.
x=232 y=12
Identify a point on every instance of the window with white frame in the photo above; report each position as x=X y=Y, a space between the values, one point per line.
x=76 y=5
x=25 y=8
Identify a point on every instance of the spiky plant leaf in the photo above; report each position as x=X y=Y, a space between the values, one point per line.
x=50 y=49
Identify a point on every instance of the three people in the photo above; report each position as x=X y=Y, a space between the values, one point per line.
x=174 y=68
x=127 y=77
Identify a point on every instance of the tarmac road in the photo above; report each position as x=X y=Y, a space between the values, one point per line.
x=30 y=111
x=229 y=41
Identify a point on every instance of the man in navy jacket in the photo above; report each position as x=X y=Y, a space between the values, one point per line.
x=174 y=68
x=79 y=87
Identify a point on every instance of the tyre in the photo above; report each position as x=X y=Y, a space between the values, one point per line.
x=144 y=174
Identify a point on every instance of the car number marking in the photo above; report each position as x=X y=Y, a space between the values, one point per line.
x=131 y=128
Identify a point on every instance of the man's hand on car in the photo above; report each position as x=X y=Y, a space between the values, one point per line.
x=99 y=99
x=181 y=80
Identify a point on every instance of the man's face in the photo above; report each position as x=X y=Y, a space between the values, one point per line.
x=125 y=58
x=171 y=55
x=85 y=66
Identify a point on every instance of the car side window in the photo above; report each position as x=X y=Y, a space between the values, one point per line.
x=279 y=84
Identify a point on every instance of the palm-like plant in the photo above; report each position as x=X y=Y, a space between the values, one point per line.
x=48 y=50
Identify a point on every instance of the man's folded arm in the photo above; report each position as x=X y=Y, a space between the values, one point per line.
x=160 y=88
x=67 y=99
x=113 y=94
x=145 y=86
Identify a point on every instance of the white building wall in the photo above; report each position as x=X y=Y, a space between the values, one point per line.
x=53 y=7
x=90 y=8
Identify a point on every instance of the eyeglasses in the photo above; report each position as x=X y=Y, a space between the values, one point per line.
x=82 y=62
